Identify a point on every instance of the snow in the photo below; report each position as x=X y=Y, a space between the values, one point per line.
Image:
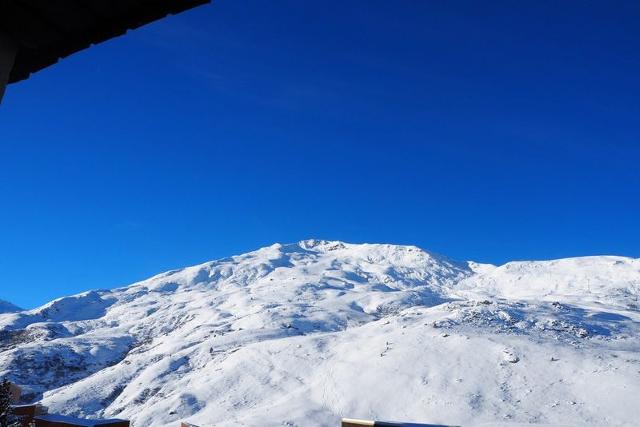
x=304 y=334
x=603 y=279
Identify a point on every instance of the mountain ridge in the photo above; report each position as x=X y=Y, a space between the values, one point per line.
x=166 y=348
x=7 y=307
x=473 y=266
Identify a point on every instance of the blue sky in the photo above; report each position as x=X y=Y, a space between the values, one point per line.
x=491 y=131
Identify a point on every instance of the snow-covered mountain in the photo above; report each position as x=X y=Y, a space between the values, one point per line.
x=7 y=307
x=303 y=334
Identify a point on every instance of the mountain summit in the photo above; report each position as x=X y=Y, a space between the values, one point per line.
x=7 y=307
x=304 y=333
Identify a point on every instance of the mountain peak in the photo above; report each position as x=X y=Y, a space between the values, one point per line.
x=319 y=244
x=7 y=307
x=246 y=334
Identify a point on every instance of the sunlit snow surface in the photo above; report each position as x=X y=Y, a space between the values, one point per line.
x=303 y=334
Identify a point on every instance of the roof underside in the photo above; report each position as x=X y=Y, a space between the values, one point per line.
x=48 y=30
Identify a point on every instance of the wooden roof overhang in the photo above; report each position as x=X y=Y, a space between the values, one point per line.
x=44 y=31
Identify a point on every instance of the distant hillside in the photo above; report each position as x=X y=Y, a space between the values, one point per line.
x=305 y=333
x=7 y=307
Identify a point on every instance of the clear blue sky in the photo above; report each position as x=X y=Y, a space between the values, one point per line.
x=491 y=131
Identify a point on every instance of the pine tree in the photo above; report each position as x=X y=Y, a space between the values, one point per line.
x=6 y=419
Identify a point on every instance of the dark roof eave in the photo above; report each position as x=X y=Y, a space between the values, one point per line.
x=46 y=32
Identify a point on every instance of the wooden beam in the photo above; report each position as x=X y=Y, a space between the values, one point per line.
x=353 y=422
x=7 y=56
x=27 y=413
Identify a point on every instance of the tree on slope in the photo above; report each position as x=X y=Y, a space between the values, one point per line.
x=6 y=419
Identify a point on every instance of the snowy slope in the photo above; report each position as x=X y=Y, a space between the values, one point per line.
x=601 y=279
x=305 y=333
